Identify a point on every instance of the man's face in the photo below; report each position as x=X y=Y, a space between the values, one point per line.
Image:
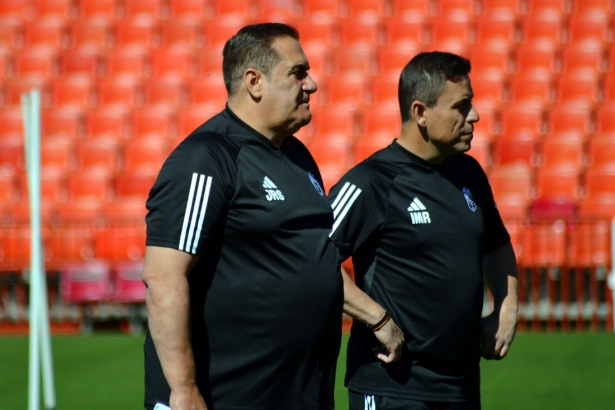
x=450 y=123
x=287 y=90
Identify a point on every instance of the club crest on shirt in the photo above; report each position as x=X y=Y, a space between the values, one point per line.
x=468 y=196
x=316 y=184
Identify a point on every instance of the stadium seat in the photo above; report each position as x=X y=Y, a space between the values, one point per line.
x=583 y=85
x=95 y=33
x=590 y=24
x=367 y=144
x=182 y=32
x=544 y=24
x=86 y=212
x=8 y=185
x=127 y=61
x=98 y=153
x=11 y=119
x=76 y=90
x=401 y=7
x=125 y=90
x=608 y=87
x=351 y=89
x=128 y=286
x=246 y=9
x=137 y=184
x=561 y=6
x=36 y=61
x=98 y=8
x=53 y=184
x=605 y=118
x=319 y=55
x=12 y=153
x=145 y=155
x=586 y=53
x=601 y=150
x=142 y=32
x=367 y=31
x=131 y=9
x=333 y=154
x=158 y=121
x=120 y=243
x=489 y=84
x=194 y=116
x=529 y=115
x=208 y=89
x=58 y=151
x=65 y=9
x=454 y=24
x=322 y=32
x=16 y=248
x=11 y=34
x=533 y=84
x=515 y=6
x=14 y=9
x=569 y=116
x=450 y=45
x=381 y=118
x=361 y=8
x=14 y=88
x=565 y=148
x=283 y=11
x=86 y=282
x=488 y=113
x=165 y=90
x=107 y=121
x=393 y=58
x=542 y=53
x=481 y=150
x=355 y=59
x=384 y=88
x=61 y=121
x=498 y=24
x=520 y=147
x=559 y=185
x=176 y=61
x=96 y=183
x=323 y=9
x=492 y=54
x=67 y=245
x=599 y=195
x=337 y=120
x=406 y=30
x=124 y=211
x=219 y=30
x=512 y=190
x=597 y=206
x=187 y=8
x=52 y=32
x=208 y=61
x=81 y=62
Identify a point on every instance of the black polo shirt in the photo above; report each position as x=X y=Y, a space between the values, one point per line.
x=417 y=234
x=266 y=295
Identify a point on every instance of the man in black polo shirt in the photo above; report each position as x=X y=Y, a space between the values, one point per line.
x=419 y=220
x=244 y=295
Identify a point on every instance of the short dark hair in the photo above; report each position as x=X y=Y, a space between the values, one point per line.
x=425 y=76
x=252 y=46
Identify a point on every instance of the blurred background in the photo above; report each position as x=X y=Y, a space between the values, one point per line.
x=124 y=81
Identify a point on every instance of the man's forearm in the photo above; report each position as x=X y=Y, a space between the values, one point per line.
x=358 y=305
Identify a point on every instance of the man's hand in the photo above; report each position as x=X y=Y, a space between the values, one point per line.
x=392 y=339
x=498 y=332
x=187 y=399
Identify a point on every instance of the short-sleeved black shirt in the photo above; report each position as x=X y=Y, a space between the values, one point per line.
x=417 y=234
x=266 y=294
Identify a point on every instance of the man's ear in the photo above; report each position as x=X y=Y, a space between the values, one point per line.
x=253 y=81
x=417 y=110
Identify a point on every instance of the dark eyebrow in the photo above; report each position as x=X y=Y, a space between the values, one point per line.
x=300 y=66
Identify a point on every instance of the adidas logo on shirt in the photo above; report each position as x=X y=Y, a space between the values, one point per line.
x=272 y=191
x=418 y=212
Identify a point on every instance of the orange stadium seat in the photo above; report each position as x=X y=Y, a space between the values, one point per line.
x=563 y=149
x=493 y=54
x=219 y=30
x=136 y=32
x=145 y=155
x=521 y=115
x=14 y=9
x=16 y=87
x=96 y=153
x=182 y=32
x=86 y=212
x=453 y=24
x=599 y=206
x=98 y=8
x=208 y=89
x=187 y=8
x=546 y=23
x=51 y=32
x=123 y=211
x=12 y=153
x=451 y=45
x=558 y=185
x=601 y=150
x=283 y=11
x=367 y=144
x=58 y=151
x=319 y=55
x=94 y=33
x=489 y=84
x=384 y=88
x=355 y=59
x=68 y=244
x=393 y=58
x=401 y=7
x=586 y=5
x=599 y=194
x=536 y=84
x=500 y=24
x=516 y=6
x=107 y=121
x=127 y=60
x=324 y=32
x=337 y=121
x=471 y=6
x=582 y=84
x=605 y=118
x=358 y=8
x=247 y=9
x=74 y=90
x=123 y=90
x=516 y=148
x=165 y=90
x=541 y=53
x=333 y=154
x=512 y=190
x=157 y=121
x=53 y=184
x=488 y=116
x=15 y=248
x=361 y=31
x=36 y=62
x=351 y=89
x=11 y=119
x=143 y=8
x=118 y=243
x=590 y=24
x=8 y=185
x=65 y=9
x=325 y=9
x=192 y=117
x=208 y=61
x=11 y=34
x=95 y=183
x=587 y=53
x=600 y=180
x=481 y=151
x=561 y=6
x=568 y=116
x=408 y=29
x=136 y=184
x=381 y=118
x=173 y=61
x=86 y=62
x=62 y=121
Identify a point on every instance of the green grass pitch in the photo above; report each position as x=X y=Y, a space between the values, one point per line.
x=542 y=371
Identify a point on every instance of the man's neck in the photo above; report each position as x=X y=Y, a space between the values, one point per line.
x=254 y=119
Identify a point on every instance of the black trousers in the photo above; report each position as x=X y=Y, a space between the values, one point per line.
x=358 y=401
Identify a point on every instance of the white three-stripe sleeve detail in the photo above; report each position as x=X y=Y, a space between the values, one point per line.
x=202 y=216
x=195 y=213
x=345 y=211
x=340 y=206
x=340 y=195
x=182 y=238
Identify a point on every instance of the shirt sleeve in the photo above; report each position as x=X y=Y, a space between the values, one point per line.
x=496 y=234
x=190 y=195
x=356 y=215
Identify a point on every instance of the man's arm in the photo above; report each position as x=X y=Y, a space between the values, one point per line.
x=500 y=273
x=168 y=307
x=361 y=307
